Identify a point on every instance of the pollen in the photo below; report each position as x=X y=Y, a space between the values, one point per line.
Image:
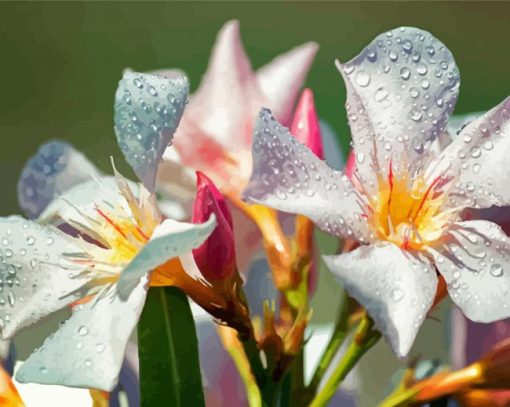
x=408 y=209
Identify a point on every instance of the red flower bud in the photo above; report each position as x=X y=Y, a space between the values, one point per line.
x=216 y=257
x=305 y=124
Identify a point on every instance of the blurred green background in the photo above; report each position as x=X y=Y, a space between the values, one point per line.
x=60 y=63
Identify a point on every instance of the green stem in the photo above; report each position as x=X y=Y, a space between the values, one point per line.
x=338 y=337
x=363 y=340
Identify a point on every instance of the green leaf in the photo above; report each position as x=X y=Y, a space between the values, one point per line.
x=168 y=351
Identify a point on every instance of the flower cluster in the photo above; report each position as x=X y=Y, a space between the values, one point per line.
x=237 y=171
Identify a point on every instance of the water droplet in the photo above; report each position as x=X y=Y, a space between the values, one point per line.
x=496 y=270
x=82 y=330
x=405 y=73
x=393 y=55
x=138 y=83
x=372 y=56
x=30 y=240
x=380 y=94
x=99 y=347
x=152 y=91
x=43 y=370
x=5 y=241
x=414 y=93
x=425 y=84
x=360 y=157
x=488 y=145
x=362 y=78
x=50 y=241
x=421 y=69
x=476 y=152
x=79 y=345
x=408 y=46
x=415 y=115
x=88 y=363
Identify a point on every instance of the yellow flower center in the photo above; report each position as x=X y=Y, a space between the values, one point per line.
x=409 y=210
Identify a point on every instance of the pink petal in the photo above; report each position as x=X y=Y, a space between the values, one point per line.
x=281 y=79
x=305 y=124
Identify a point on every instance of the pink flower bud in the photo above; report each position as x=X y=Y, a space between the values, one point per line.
x=305 y=124
x=216 y=257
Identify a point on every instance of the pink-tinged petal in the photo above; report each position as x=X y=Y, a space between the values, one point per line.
x=216 y=257
x=475 y=262
x=289 y=177
x=478 y=157
x=400 y=91
x=51 y=171
x=350 y=167
x=305 y=124
x=222 y=107
x=396 y=288
x=281 y=79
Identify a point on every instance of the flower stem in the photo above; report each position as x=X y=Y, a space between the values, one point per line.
x=364 y=338
x=338 y=337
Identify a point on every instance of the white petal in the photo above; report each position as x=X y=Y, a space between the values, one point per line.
x=170 y=239
x=475 y=263
x=400 y=91
x=52 y=170
x=395 y=287
x=35 y=279
x=289 y=177
x=83 y=198
x=282 y=78
x=148 y=109
x=88 y=350
x=478 y=159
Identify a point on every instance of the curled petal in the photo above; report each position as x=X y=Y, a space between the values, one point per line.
x=395 y=288
x=289 y=177
x=52 y=170
x=478 y=158
x=400 y=91
x=88 y=350
x=148 y=109
x=475 y=263
x=170 y=239
x=281 y=79
x=36 y=278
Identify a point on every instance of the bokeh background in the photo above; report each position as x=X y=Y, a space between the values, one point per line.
x=60 y=64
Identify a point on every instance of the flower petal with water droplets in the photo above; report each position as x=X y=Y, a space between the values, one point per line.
x=475 y=263
x=404 y=84
x=148 y=109
x=396 y=289
x=170 y=239
x=35 y=278
x=52 y=170
x=88 y=350
x=289 y=177
x=478 y=159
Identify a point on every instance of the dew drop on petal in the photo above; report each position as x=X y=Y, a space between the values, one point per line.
x=362 y=78
x=82 y=330
x=496 y=270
